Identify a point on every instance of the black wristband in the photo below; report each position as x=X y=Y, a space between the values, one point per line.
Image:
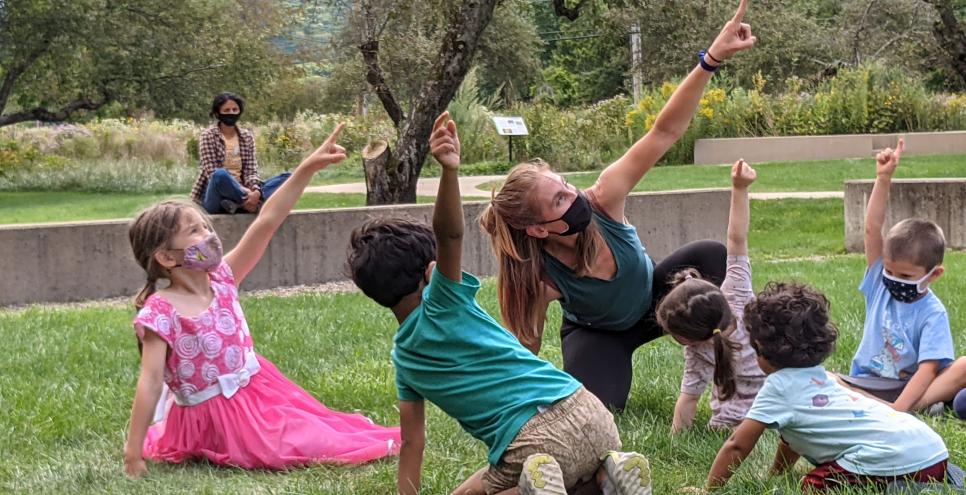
x=719 y=62
x=704 y=65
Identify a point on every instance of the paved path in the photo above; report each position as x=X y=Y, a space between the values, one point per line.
x=470 y=187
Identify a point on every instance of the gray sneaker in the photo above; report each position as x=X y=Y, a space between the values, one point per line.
x=541 y=475
x=628 y=473
x=936 y=409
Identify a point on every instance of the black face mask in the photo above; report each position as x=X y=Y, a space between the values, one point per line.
x=229 y=119
x=577 y=216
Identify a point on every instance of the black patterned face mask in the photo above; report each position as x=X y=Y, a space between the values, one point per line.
x=903 y=290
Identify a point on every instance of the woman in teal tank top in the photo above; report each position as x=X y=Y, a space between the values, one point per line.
x=555 y=242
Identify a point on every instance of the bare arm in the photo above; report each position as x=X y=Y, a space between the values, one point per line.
x=886 y=163
x=150 y=382
x=742 y=176
x=618 y=179
x=785 y=458
x=547 y=295
x=252 y=245
x=412 y=418
x=923 y=377
x=448 y=213
x=735 y=450
x=684 y=410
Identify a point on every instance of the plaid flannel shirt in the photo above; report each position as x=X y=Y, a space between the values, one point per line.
x=211 y=149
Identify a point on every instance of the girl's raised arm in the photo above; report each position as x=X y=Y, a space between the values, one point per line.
x=252 y=245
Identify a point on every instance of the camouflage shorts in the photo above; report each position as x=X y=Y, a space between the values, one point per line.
x=577 y=431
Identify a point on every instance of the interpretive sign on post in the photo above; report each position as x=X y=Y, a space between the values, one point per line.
x=510 y=126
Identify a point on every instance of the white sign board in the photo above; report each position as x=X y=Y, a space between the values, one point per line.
x=510 y=126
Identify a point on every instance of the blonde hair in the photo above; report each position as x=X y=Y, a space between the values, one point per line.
x=151 y=231
x=519 y=255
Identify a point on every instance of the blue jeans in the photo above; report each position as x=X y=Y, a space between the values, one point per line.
x=222 y=185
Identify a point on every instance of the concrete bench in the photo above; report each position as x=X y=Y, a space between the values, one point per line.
x=941 y=200
x=835 y=147
x=92 y=260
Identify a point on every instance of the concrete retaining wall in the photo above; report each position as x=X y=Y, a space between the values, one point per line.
x=91 y=260
x=796 y=148
x=941 y=200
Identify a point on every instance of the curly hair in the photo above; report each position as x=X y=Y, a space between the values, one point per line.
x=387 y=258
x=789 y=325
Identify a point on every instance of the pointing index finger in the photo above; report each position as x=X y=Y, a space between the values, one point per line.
x=440 y=120
x=900 y=147
x=740 y=14
x=335 y=134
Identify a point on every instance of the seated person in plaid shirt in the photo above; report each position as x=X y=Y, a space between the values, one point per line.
x=228 y=179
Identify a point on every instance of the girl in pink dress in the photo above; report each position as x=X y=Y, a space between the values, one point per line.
x=229 y=405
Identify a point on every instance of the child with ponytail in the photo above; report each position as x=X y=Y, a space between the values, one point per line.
x=230 y=405
x=707 y=321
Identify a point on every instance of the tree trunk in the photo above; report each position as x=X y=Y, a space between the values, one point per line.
x=951 y=36
x=383 y=184
x=397 y=178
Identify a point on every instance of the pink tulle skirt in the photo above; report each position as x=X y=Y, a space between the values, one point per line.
x=271 y=423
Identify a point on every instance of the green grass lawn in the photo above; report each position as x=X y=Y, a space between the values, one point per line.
x=828 y=175
x=67 y=377
x=65 y=206
x=40 y=207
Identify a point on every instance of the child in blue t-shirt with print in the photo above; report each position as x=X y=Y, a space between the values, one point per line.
x=545 y=433
x=906 y=356
x=851 y=439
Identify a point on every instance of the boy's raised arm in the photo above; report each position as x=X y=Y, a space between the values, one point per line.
x=448 y=214
x=886 y=163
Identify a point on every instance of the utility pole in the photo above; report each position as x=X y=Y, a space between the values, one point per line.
x=636 y=60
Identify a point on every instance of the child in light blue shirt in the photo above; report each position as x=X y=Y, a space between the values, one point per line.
x=849 y=438
x=906 y=356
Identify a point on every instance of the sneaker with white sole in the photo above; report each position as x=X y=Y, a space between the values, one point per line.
x=541 y=475
x=936 y=409
x=627 y=473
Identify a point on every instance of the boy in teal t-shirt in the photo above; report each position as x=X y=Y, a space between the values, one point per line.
x=545 y=433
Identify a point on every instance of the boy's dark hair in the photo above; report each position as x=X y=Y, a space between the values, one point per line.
x=789 y=325
x=388 y=258
x=222 y=98
x=916 y=240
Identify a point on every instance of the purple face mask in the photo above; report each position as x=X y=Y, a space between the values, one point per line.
x=204 y=256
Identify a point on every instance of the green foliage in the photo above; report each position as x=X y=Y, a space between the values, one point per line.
x=169 y=56
x=575 y=139
x=474 y=119
x=16 y=156
x=868 y=99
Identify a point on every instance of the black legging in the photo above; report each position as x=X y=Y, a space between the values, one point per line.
x=601 y=359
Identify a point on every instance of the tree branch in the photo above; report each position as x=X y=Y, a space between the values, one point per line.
x=45 y=115
x=560 y=8
x=370 y=54
x=858 y=32
x=455 y=56
x=165 y=76
x=951 y=36
x=10 y=78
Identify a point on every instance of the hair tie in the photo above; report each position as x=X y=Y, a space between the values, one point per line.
x=716 y=331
